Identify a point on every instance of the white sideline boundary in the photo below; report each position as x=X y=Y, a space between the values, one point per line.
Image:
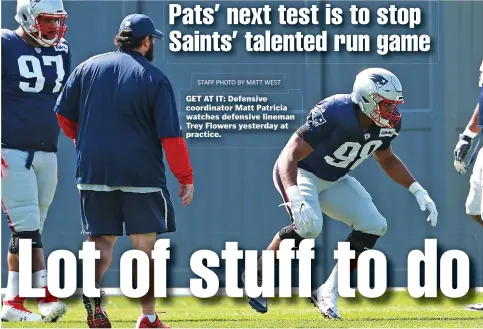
x=186 y=292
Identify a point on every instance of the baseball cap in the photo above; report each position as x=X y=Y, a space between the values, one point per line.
x=140 y=25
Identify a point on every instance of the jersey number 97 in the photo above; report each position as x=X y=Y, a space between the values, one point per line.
x=30 y=68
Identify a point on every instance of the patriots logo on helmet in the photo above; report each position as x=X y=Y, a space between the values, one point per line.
x=379 y=81
x=33 y=3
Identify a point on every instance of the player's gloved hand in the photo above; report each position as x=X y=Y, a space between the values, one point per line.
x=4 y=164
x=303 y=214
x=425 y=202
x=461 y=150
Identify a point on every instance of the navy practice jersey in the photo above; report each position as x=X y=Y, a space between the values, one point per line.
x=480 y=109
x=340 y=145
x=124 y=107
x=32 y=79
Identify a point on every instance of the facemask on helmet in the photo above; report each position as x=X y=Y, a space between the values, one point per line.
x=378 y=93
x=43 y=20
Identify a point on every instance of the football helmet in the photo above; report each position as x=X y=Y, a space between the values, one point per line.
x=43 y=20
x=375 y=86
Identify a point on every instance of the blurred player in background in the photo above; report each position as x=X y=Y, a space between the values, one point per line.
x=474 y=200
x=311 y=172
x=35 y=65
x=121 y=112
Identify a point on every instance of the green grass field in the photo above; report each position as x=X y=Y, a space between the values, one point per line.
x=393 y=310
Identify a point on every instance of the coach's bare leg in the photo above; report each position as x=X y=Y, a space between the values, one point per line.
x=145 y=243
x=105 y=244
x=477 y=218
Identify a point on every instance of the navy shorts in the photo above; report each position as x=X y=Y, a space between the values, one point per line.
x=104 y=213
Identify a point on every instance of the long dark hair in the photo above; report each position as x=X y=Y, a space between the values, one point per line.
x=126 y=41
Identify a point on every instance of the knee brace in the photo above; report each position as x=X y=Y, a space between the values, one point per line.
x=288 y=232
x=13 y=247
x=361 y=241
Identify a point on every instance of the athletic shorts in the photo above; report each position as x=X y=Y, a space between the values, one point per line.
x=110 y=213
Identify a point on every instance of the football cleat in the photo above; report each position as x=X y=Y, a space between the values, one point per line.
x=14 y=311
x=96 y=314
x=143 y=322
x=475 y=307
x=259 y=304
x=326 y=301
x=51 y=311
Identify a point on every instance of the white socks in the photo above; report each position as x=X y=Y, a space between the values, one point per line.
x=12 y=285
x=39 y=279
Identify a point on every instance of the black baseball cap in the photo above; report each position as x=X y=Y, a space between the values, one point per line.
x=140 y=25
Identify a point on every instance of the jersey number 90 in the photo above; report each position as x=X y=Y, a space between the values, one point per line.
x=348 y=152
x=34 y=70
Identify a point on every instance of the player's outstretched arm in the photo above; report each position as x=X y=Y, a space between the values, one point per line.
x=464 y=142
x=395 y=168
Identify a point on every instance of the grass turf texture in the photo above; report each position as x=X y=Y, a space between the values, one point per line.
x=393 y=310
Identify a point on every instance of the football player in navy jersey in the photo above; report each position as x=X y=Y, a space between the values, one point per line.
x=311 y=173
x=474 y=199
x=35 y=64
